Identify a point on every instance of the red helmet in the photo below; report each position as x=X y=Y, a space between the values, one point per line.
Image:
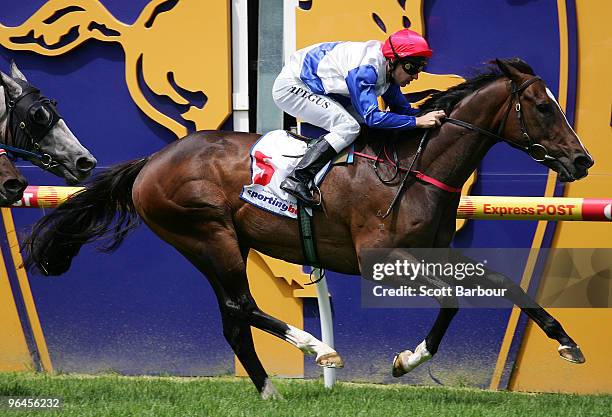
x=406 y=43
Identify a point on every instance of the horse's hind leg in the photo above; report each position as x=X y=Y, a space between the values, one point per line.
x=221 y=259
x=222 y=263
x=307 y=343
x=238 y=335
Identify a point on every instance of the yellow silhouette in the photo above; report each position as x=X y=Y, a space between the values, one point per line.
x=187 y=41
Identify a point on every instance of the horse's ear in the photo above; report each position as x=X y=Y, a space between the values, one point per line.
x=15 y=73
x=508 y=70
x=14 y=89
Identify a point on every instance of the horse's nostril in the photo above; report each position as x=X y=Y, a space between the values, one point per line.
x=583 y=162
x=85 y=164
x=15 y=186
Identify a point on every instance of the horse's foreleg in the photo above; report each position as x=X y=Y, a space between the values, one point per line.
x=407 y=360
x=568 y=349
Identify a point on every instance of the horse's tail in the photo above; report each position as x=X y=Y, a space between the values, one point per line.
x=103 y=210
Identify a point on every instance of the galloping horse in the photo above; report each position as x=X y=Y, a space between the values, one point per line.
x=31 y=128
x=188 y=194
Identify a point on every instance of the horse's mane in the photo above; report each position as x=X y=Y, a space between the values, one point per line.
x=446 y=100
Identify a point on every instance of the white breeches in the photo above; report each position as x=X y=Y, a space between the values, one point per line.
x=294 y=97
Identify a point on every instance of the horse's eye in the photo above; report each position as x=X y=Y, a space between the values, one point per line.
x=42 y=116
x=544 y=108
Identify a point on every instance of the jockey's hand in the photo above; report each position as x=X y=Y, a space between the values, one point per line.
x=431 y=119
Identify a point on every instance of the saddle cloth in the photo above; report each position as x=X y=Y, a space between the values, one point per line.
x=273 y=158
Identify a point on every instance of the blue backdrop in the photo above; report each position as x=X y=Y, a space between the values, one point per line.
x=145 y=309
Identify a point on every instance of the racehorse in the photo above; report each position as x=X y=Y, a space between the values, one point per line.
x=188 y=194
x=32 y=129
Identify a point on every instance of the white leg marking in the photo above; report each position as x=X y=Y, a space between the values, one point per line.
x=420 y=355
x=306 y=342
x=407 y=360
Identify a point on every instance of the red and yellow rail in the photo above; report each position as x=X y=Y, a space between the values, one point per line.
x=471 y=207
x=535 y=208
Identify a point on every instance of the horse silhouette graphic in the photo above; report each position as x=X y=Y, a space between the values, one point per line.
x=177 y=48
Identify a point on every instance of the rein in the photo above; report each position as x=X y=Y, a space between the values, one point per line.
x=537 y=151
x=416 y=173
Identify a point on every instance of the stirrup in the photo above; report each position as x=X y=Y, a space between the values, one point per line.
x=293 y=184
x=316 y=187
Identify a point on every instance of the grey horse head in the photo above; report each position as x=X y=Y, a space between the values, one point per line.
x=31 y=123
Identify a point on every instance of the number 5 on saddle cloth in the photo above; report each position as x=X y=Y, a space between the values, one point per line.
x=273 y=158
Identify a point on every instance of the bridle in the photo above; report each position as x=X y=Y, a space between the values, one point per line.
x=537 y=151
x=24 y=132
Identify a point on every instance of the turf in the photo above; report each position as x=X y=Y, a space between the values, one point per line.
x=113 y=395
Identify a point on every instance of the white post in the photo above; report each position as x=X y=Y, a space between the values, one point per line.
x=289 y=34
x=240 y=65
x=327 y=324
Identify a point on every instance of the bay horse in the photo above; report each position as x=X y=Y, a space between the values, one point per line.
x=188 y=194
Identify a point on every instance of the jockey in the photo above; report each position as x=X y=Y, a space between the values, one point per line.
x=336 y=85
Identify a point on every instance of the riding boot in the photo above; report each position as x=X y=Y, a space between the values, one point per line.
x=299 y=182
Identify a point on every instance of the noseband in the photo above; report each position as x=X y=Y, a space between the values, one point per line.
x=538 y=152
x=25 y=129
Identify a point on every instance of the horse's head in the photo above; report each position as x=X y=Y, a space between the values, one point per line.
x=34 y=126
x=535 y=123
x=12 y=183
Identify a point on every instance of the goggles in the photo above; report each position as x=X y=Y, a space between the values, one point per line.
x=412 y=68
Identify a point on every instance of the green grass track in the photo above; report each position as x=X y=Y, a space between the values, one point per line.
x=112 y=395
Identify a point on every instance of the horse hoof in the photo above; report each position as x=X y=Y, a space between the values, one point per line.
x=269 y=392
x=571 y=354
x=407 y=360
x=330 y=360
x=398 y=363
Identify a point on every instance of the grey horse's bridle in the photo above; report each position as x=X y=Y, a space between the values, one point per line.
x=29 y=118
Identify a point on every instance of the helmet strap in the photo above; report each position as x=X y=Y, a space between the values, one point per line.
x=397 y=57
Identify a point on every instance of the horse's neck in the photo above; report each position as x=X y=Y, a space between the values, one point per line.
x=455 y=152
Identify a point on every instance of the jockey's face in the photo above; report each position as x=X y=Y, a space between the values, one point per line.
x=400 y=77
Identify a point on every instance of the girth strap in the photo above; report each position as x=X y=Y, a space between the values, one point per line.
x=309 y=246
x=307 y=237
